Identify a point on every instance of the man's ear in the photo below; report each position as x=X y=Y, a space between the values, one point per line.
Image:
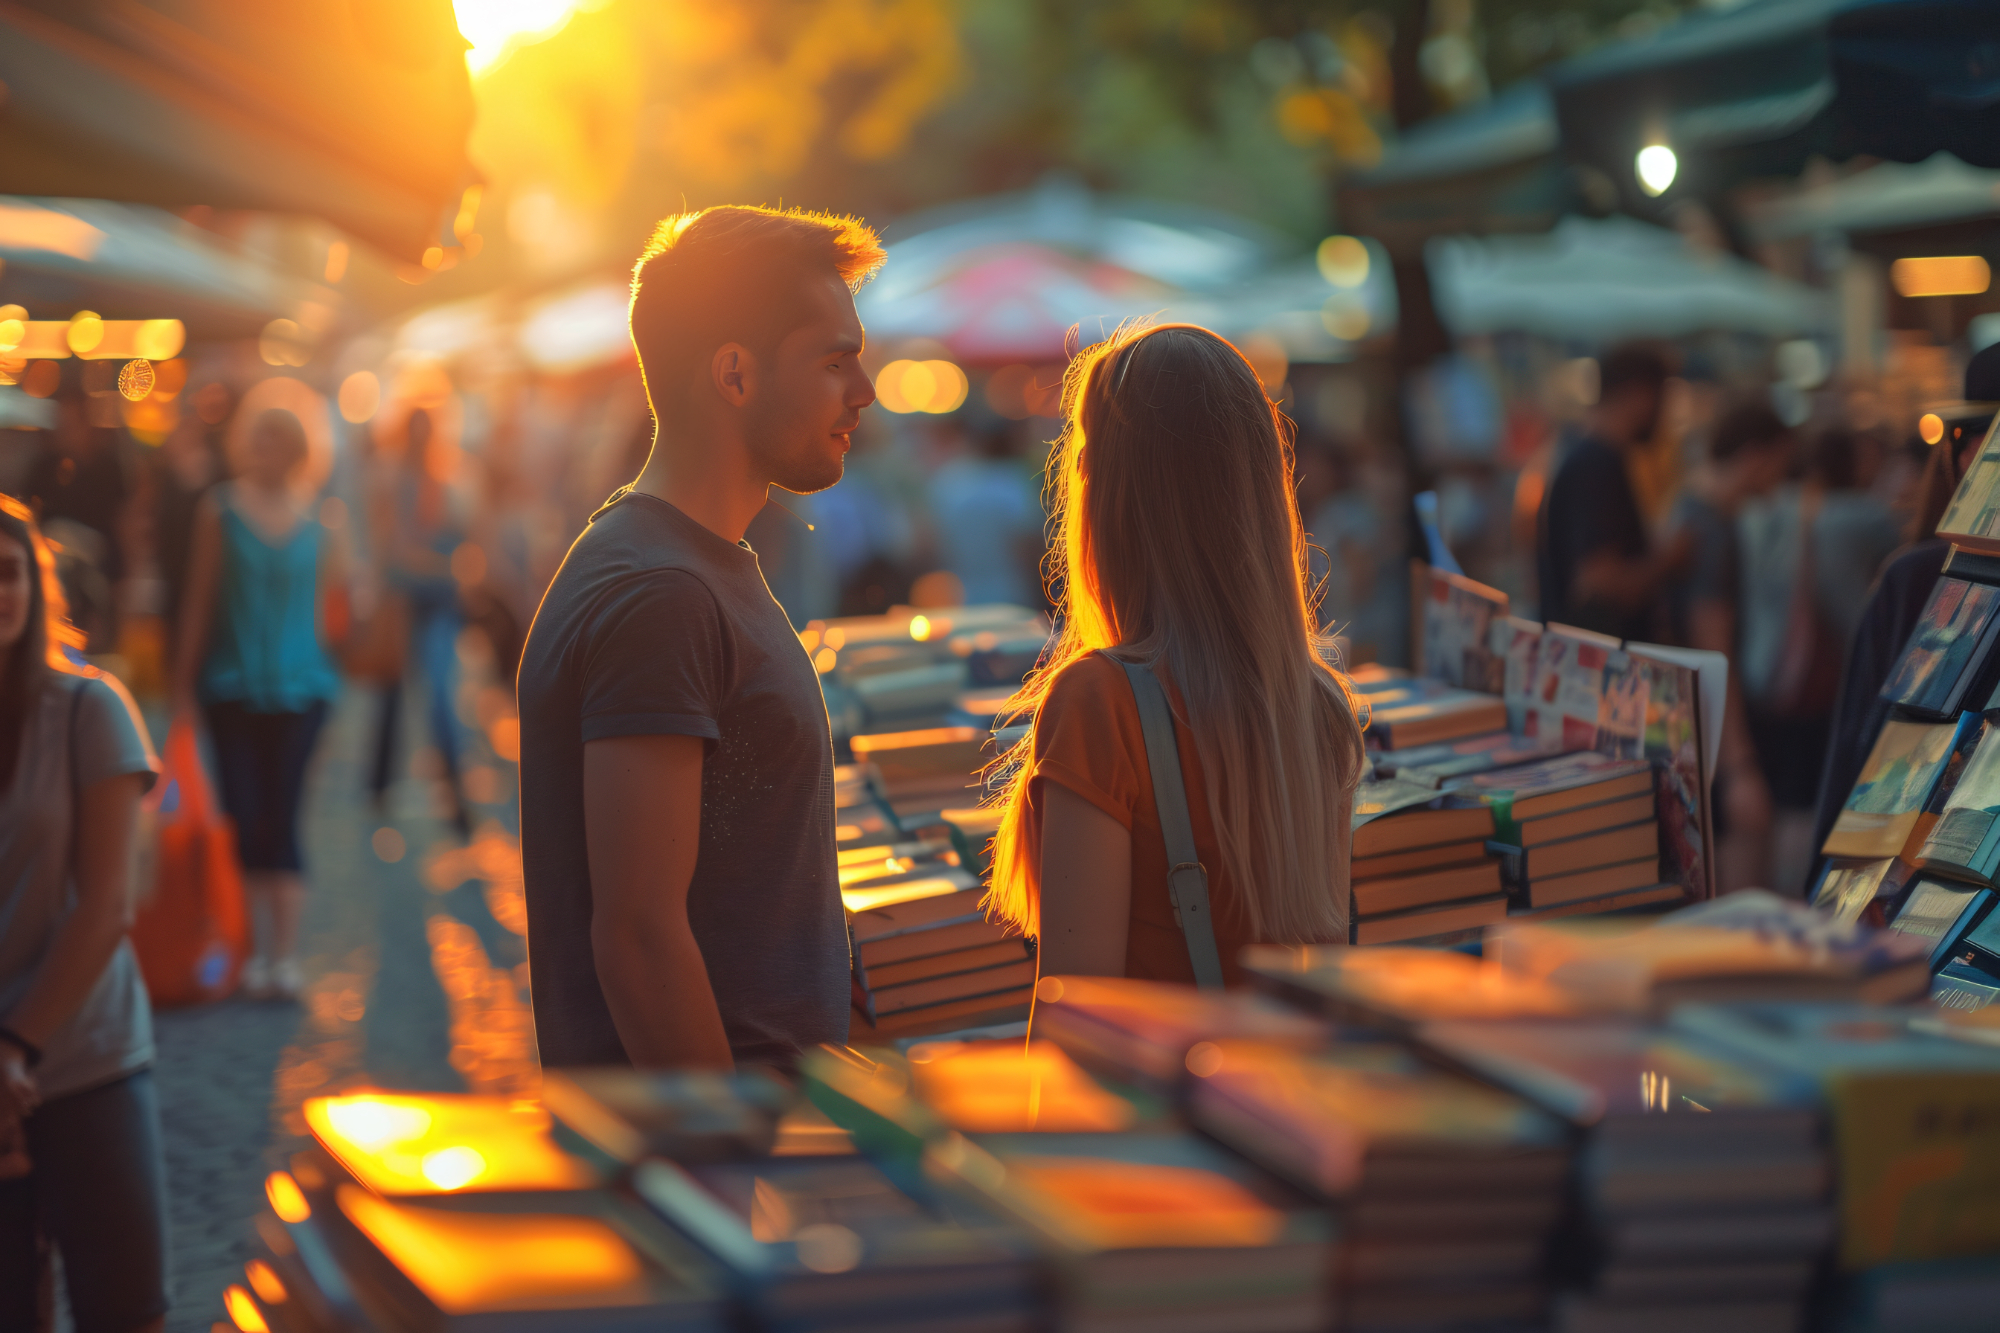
x=732 y=371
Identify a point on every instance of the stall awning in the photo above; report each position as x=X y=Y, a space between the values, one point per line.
x=354 y=111
x=1758 y=90
x=126 y=261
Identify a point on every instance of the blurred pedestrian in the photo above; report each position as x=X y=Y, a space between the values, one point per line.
x=249 y=654
x=80 y=1155
x=80 y=490
x=1750 y=452
x=988 y=513
x=417 y=531
x=1598 y=568
x=1362 y=581
x=1810 y=552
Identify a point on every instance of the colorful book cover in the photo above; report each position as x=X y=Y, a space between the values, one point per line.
x=1458 y=616
x=1884 y=812
x=1372 y=800
x=1966 y=839
x=1914 y=1116
x=1946 y=648
x=1515 y=644
x=1319 y=1117
x=1973 y=517
x=1672 y=741
x=1621 y=706
x=1847 y=890
x=1557 y=773
x=1568 y=690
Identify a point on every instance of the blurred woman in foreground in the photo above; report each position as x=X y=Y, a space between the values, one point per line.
x=80 y=1156
x=1180 y=549
x=250 y=652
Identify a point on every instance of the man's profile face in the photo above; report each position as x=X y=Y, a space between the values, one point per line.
x=809 y=394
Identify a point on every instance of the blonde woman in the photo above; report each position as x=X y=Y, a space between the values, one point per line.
x=1179 y=549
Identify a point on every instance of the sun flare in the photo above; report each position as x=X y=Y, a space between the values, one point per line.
x=496 y=27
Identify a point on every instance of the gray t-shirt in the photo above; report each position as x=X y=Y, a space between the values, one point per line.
x=91 y=720
x=656 y=626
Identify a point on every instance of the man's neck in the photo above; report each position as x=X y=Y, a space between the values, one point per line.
x=720 y=497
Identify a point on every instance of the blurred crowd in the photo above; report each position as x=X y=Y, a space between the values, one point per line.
x=458 y=492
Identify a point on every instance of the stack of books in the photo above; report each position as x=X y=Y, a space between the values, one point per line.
x=462 y=1213
x=1576 y=833
x=1153 y=1231
x=926 y=958
x=1424 y=713
x=927 y=768
x=1419 y=870
x=1448 y=1191
x=1143 y=1031
x=1704 y=1182
x=1395 y=991
x=1912 y=1106
x=832 y=1243
x=909 y=665
x=1749 y=945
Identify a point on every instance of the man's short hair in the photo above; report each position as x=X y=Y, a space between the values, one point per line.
x=1633 y=364
x=1745 y=425
x=736 y=273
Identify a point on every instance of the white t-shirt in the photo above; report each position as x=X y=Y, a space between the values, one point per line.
x=84 y=729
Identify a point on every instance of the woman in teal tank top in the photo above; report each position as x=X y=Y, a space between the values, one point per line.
x=251 y=655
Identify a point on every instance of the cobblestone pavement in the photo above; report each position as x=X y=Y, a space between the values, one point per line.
x=415 y=979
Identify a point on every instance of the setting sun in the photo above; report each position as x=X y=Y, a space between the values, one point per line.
x=494 y=27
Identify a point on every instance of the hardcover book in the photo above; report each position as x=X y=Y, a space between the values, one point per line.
x=1402 y=892
x=1145 y=1029
x=1948 y=649
x=1932 y=907
x=1458 y=616
x=1568 y=688
x=1846 y=890
x=1965 y=842
x=1390 y=817
x=1516 y=644
x=1372 y=1119
x=1394 y=990
x=1424 y=923
x=1972 y=520
x=1884 y=812
x=1446 y=716
x=1550 y=786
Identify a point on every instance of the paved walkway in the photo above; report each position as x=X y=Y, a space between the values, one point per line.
x=416 y=979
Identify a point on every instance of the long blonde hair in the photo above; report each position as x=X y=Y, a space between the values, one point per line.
x=1178 y=544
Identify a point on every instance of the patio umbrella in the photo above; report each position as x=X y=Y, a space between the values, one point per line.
x=1000 y=304
x=1601 y=280
x=354 y=112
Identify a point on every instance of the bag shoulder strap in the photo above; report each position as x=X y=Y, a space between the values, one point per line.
x=1187 y=879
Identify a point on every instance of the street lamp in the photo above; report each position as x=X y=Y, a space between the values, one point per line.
x=1656 y=165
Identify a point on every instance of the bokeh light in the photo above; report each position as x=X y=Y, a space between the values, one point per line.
x=921 y=386
x=86 y=330
x=1657 y=166
x=1343 y=260
x=135 y=379
x=160 y=339
x=1941 y=275
x=360 y=394
x=1345 y=319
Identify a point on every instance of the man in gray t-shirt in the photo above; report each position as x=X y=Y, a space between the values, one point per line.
x=676 y=765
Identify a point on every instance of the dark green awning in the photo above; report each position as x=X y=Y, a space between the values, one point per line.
x=355 y=112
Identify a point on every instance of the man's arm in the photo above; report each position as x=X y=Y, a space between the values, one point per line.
x=642 y=824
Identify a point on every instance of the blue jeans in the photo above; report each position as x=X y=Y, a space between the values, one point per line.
x=435 y=621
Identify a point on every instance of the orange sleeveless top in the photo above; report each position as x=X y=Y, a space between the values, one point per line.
x=1087 y=739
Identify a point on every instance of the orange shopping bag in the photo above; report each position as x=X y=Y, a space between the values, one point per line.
x=191 y=935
